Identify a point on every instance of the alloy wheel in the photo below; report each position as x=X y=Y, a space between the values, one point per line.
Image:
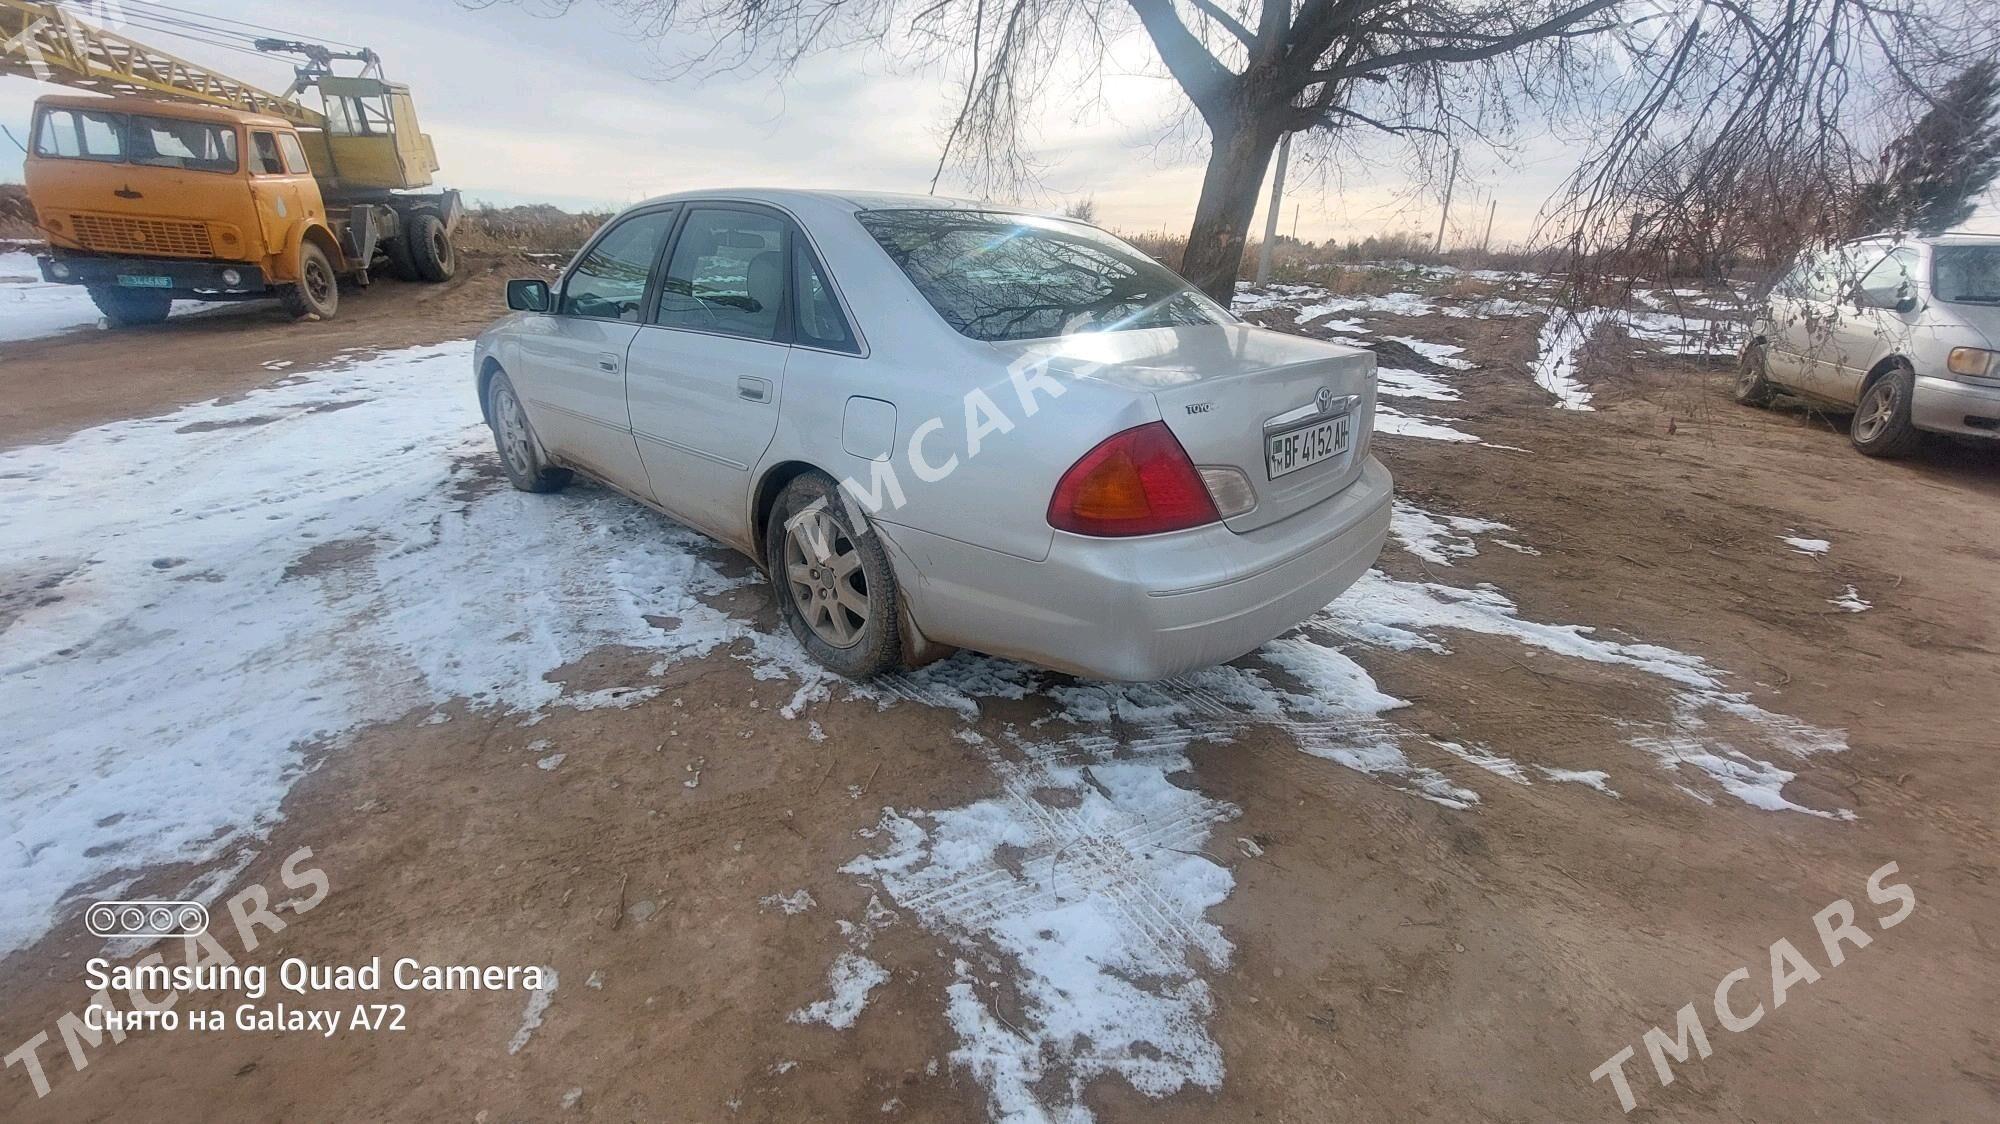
x=828 y=585
x=513 y=426
x=1878 y=410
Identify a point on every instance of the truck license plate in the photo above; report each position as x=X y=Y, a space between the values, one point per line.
x=1290 y=452
x=145 y=281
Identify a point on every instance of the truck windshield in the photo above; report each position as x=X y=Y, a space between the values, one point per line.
x=159 y=142
x=997 y=276
x=1966 y=274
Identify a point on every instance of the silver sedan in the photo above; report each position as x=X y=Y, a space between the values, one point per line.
x=942 y=424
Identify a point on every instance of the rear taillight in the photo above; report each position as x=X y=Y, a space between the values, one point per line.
x=1139 y=482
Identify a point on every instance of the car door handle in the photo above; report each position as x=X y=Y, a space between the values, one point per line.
x=752 y=388
x=607 y=361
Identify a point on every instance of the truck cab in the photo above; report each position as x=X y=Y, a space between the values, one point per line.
x=145 y=202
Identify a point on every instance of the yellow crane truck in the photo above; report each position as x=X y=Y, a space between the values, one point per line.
x=169 y=181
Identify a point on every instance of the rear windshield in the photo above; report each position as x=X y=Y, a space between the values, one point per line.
x=159 y=142
x=1966 y=274
x=998 y=276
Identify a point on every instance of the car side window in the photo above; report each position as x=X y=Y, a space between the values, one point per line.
x=264 y=157
x=727 y=274
x=1889 y=281
x=820 y=323
x=609 y=283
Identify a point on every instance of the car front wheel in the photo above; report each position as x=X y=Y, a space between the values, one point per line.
x=834 y=583
x=520 y=454
x=1753 y=381
x=1882 y=426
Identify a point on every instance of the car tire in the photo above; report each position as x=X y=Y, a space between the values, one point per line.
x=317 y=292
x=1882 y=425
x=431 y=252
x=521 y=454
x=127 y=308
x=833 y=581
x=1753 y=376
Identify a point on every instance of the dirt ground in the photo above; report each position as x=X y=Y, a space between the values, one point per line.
x=1392 y=958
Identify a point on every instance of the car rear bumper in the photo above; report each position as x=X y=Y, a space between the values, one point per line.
x=1949 y=406
x=186 y=276
x=1136 y=610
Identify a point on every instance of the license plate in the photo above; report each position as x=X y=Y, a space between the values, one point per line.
x=145 y=282
x=1290 y=452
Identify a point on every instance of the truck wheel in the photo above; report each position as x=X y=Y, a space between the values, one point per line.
x=318 y=291
x=397 y=249
x=430 y=247
x=125 y=308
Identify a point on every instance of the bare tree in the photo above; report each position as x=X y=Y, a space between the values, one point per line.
x=1082 y=210
x=1729 y=75
x=1763 y=109
x=1933 y=175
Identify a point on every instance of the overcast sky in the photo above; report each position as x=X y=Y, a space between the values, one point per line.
x=577 y=111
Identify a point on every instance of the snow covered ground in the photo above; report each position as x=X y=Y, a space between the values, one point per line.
x=182 y=629
x=196 y=601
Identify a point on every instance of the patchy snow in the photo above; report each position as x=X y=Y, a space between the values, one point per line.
x=1561 y=342
x=538 y=1005
x=31 y=308
x=198 y=598
x=791 y=905
x=1435 y=537
x=1851 y=601
x=1397 y=382
x=1443 y=354
x=1708 y=719
x=1805 y=545
x=1395 y=423
x=1085 y=875
x=1591 y=778
x=851 y=978
x=1495 y=308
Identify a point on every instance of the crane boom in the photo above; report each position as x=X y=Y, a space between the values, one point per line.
x=45 y=42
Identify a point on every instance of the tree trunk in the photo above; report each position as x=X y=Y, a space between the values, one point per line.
x=1238 y=158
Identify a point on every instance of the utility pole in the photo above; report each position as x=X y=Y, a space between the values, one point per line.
x=1438 y=246
x=1271 y=213
x=1488 y=240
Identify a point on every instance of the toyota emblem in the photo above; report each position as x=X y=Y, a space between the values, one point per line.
x=1324 y=398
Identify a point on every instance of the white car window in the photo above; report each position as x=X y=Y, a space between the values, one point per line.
x=610 y=282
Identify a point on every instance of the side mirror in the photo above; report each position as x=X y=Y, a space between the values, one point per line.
x=529 y=295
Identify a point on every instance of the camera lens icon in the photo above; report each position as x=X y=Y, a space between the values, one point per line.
x=146 y=919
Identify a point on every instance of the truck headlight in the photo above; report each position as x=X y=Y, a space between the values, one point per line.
x=1973 y=361
x=231 y=278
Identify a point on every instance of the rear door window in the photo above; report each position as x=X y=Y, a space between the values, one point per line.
x=609 y=283
x=727 y=274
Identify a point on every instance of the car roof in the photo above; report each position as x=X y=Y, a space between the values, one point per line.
x=1948 y=238
x=792 y=197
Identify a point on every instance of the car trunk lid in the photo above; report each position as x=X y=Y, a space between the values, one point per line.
x=1227 y=390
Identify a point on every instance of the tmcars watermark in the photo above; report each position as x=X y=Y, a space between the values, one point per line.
x=983 y=418
x=1789 y=968
x=205 y=963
